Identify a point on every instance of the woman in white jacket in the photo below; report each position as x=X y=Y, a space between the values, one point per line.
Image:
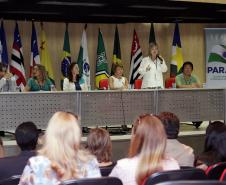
x=151 y=69
x=74 y=82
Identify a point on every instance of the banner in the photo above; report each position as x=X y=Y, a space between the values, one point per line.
x=215 y=57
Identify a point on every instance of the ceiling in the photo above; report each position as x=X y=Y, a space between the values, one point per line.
x=113 y=11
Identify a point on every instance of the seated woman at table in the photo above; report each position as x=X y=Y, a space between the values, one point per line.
x=40 y=80
x=74 y=82
x=117 y=81
x=186 y=79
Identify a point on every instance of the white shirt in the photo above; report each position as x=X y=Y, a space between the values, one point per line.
x=8 y=85
x=118 y=83
x=125 y=169
x=70 y=86
x=180 y=152
x=153 y=77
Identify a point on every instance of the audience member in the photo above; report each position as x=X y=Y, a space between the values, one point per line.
x=182 y=153
x=99 y=144
x=117 y=81
x=74 y=82
x=215 y=146
x=40 y=80
x=146 y=153
x=26 y=137
x=60 y=157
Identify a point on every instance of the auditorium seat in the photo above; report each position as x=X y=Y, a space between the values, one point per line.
x=182 y=174
x=205 y=182
x=94 y=181
x=14 y=180
x=169 y=82
x=215 y=171
x=223 y=176
x=103 y=84
x=137 y=84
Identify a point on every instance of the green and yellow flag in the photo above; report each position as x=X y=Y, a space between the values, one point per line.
x=177 y=57
x=44 y=54
x=116 y=51
x=101 y=61
x=66 y=61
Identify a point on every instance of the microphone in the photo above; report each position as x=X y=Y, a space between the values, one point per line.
x=160 y=58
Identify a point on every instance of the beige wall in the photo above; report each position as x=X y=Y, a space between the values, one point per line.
x=192 y=38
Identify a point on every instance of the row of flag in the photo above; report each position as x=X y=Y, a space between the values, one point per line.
x=17 y=61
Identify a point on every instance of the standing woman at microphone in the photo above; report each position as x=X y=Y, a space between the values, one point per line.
x=151 y=69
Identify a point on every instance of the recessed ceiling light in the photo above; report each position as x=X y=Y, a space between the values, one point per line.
x=31 y=12
x=158 y=7
x=63 y=3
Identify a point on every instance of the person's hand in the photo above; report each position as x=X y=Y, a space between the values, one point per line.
x=8 y=75
x=148 y=68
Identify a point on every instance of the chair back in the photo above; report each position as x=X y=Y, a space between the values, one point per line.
x=169 y=82
x=106 y=170
x=103 y=84
x=137 y=84
x=182 y=174
x=215 y=171
x=94 y=181
x=14 y=180
x=223 y=176
x=206 y=182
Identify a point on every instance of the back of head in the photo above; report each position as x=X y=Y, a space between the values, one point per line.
x=99 y=144
x=62 y=142
x=26 y=136
x=171 y=124
x=216 y=140
x=149 y=138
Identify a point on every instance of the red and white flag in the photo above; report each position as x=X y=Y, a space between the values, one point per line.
x=136 y=58
x=17 y=60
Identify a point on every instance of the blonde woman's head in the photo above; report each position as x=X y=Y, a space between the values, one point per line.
x=62 y=142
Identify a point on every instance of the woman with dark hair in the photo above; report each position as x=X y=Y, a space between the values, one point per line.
x=151 y=68
x=99 y=144
x=215 y=146
x=146 y=152
x=186 y=79
x=40 y=80
x=74 y=82
x=117 y=81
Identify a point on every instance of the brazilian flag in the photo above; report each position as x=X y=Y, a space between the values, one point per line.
x=116 y=51
x=101 y=61
x=66 y=61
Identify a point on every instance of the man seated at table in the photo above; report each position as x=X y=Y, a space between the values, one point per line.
x=186 y=79
x=7 y=80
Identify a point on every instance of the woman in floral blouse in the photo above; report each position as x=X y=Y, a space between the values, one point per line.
x=60 y=158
